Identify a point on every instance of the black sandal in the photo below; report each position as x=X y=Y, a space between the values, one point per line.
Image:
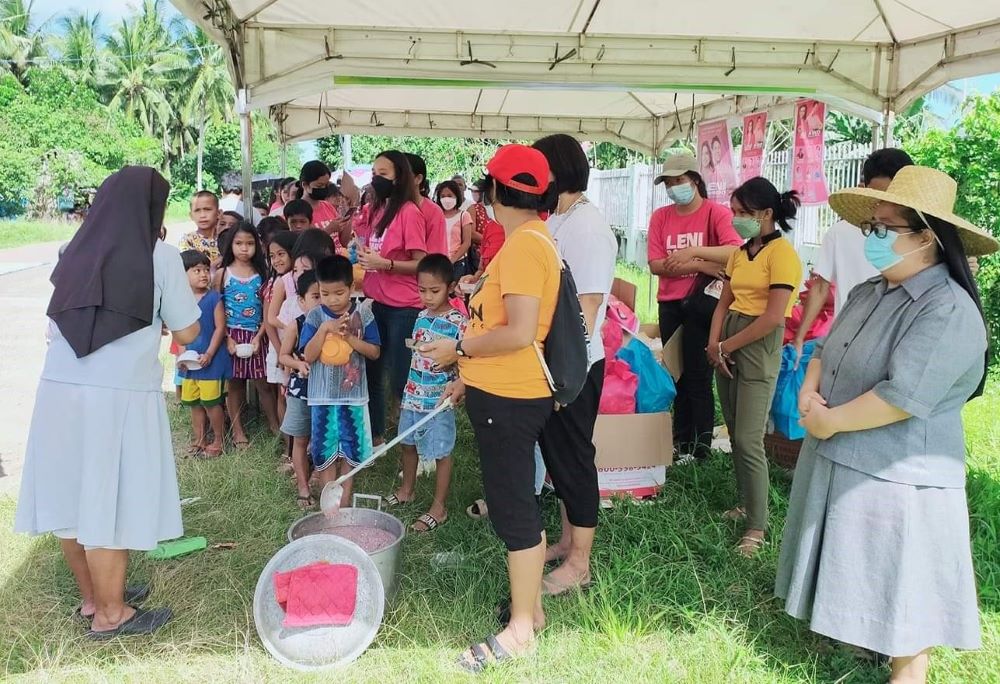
x=482 y=659
x=134 y=595
x=143 y=622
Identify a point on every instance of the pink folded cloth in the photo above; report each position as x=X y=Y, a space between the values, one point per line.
x=317 y=594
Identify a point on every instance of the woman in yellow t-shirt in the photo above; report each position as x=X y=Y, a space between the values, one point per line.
x=504 y=385
x=744 y=344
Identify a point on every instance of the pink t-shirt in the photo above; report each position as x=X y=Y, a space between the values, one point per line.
x=325 y=213
x=454 y=229
x=404 y=235
x=436 y=235
x=710 y=226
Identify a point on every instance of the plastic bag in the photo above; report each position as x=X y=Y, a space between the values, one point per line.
x=611 y=337
x=620 y=385
x=656 y=389
x=785 y=407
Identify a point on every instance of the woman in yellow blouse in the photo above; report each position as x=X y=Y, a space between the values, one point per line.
x=744 y=345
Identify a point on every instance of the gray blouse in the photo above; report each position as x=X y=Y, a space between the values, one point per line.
x=920 y=347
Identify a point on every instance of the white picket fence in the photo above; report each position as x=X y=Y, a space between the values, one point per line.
x=628 y=197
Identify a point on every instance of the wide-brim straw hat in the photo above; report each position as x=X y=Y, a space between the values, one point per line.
x=924 y=189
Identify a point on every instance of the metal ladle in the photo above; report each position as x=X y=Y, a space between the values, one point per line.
x=333 y=492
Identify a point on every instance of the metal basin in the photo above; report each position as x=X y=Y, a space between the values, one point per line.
x=387 y=560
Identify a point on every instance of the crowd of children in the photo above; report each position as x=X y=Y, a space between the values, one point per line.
x=281 y=309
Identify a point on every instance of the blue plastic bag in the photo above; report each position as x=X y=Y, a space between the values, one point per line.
x=785 y=407
x=656 y=389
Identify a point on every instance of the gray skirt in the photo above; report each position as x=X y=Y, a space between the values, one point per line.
x=877 y=564
x=99 y=468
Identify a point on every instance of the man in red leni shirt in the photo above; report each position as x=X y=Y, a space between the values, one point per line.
x=689 y=243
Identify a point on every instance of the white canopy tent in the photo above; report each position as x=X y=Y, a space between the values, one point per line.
x=636 y=72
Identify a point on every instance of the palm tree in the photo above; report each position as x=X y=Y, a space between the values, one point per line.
x=143 y=70
x=209 y=89
x=80 y=47
x=21 y=42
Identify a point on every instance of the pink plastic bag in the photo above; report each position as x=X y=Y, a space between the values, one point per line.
x=620 y=386
x=622 y=315
x=611 y=336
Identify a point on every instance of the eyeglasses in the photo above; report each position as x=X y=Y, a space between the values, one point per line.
x=882 y=229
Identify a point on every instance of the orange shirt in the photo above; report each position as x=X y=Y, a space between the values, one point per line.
x=527 y=266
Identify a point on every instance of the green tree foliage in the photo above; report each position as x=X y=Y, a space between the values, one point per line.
x=969 y=153
x=22 y=41
x=222 y=155
x=445 y=157
x=56 y=134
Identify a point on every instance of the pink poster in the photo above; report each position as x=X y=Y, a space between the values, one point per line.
x=754 y=140
x=808 y=152
x=715 y=157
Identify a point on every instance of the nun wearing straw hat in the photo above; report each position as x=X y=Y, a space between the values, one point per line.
x=876 y=549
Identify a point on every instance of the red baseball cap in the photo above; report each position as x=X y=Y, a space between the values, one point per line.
x=513 y=160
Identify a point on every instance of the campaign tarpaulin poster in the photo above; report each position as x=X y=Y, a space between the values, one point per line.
x=754 y=140
x=715 y=158
x=808 y=152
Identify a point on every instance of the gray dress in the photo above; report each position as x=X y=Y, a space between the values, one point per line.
x=876 y=548
x=99 y=465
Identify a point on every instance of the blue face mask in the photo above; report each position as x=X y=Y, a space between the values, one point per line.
x=880 y=253
x=681 y=194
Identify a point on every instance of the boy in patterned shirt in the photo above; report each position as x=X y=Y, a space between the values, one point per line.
x=205 y=214
x=424 y=387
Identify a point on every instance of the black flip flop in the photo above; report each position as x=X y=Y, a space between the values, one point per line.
x=134 y=595
x=143 y=622
x=482 y=659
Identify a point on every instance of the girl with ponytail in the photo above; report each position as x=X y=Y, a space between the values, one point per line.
x=744 y=346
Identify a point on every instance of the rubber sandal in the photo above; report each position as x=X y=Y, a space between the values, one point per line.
x=552 y=588
x=209 y=453
x=429 y=521
x=143 y=622
x=478 y=510
x=134 y=595
x=242 y=444
x=305 y=502
x=481 y=659
x=748 y=546
x=735 y=514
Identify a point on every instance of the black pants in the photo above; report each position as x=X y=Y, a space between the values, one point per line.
x=568 y=449
x=694 y=407
x=506 y=432
x=395 y=324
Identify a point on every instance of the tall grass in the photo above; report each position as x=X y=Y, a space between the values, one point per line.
x=23 y=232
x=671 y=602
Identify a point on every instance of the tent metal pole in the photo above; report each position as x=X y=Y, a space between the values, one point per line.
x=246 y=147
x=283 y=160
x=347 y=151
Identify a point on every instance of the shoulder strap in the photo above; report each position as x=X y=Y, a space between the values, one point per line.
x=551 y=244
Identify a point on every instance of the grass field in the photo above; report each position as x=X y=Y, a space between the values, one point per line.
x=671 y=602
x=19 y=233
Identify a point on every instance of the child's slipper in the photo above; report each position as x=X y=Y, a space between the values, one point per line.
x=209 y=453
x=242 y=444
x=305 y=502
x=429 y=522
x=393 y=500
x=478 y=510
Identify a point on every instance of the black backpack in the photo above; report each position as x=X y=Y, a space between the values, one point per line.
x=566 y=360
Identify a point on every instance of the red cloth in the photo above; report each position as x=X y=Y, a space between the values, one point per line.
x=317 y=594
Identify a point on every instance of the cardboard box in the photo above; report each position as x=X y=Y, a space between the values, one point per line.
x=633 y=451
x=670 y=353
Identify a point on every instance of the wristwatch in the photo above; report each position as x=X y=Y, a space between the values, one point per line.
x=460 y=351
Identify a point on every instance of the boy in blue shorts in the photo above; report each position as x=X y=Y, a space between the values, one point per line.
x=297 y=423
x=204 y=389
x=424 y=387
x=338 y=386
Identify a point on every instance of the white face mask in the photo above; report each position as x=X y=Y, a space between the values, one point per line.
x=448 y=203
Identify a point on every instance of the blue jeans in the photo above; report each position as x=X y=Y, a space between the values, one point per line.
x=395 y=325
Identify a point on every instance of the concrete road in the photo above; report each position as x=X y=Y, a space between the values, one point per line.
x=24 y=295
